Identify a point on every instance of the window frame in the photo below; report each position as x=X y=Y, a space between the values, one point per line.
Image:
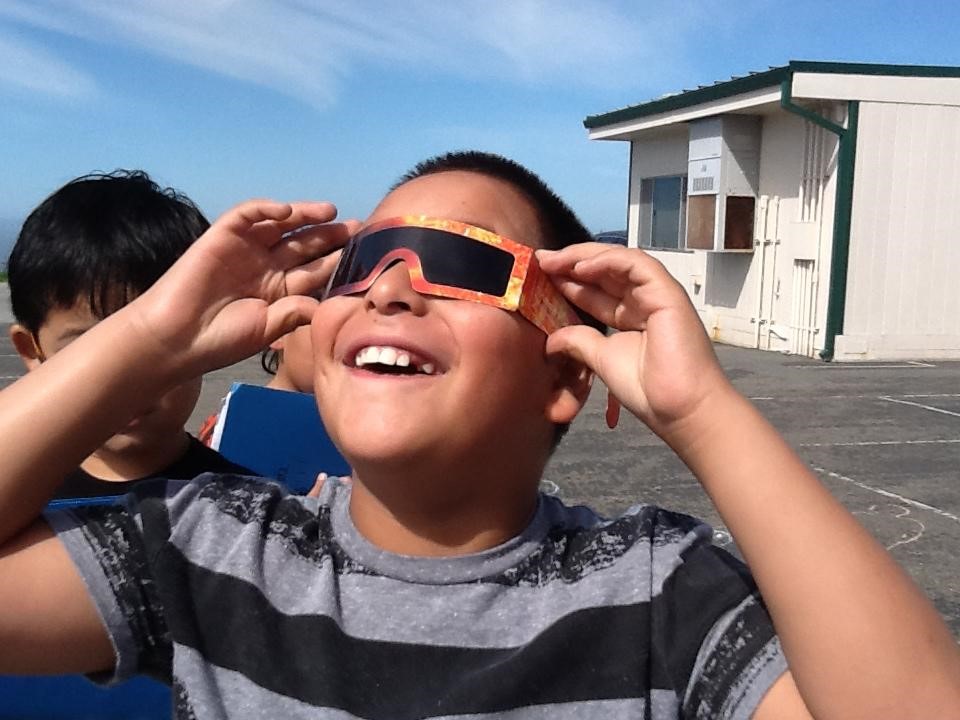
x=645 y=229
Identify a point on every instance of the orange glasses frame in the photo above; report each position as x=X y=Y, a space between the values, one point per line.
x=529 y=290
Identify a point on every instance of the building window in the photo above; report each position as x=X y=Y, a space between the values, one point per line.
x=814 y=172
x=663 y=211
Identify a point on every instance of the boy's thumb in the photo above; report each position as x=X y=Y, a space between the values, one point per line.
x=287 y=314
x=580 y=342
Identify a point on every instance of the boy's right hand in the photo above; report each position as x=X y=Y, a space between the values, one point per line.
x=244 y=283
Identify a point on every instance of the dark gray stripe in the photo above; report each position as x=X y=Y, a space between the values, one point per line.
x=244 y=700
x=593 y=654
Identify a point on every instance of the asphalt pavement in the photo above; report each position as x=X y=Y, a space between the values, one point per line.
x=883 y=437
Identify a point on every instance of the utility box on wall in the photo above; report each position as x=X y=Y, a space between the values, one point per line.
x=723 y=178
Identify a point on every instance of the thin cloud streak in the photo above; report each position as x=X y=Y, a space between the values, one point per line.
x=31 y=68
x=310 y=50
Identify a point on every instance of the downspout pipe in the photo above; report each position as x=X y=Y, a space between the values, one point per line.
x=843 y=207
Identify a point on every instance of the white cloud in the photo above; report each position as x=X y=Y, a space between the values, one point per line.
x=29 y=67
x=311 y=49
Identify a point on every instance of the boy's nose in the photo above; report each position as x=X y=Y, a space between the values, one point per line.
x=392 y=292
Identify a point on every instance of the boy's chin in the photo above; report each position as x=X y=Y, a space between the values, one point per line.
x=390 y=454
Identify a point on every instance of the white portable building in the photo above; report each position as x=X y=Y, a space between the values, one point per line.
x=811 y=208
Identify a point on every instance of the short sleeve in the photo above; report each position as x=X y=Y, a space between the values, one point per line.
x=711 y=630
x=107 y=546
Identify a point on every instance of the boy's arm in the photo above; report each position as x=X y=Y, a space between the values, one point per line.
x=48 y=622
x=860 y=639
x=240 y=286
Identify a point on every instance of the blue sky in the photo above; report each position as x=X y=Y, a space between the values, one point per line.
x=230 y=99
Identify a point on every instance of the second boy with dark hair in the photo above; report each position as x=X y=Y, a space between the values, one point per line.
x=82 y=254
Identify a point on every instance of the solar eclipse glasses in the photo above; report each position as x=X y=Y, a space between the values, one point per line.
x=450 y=259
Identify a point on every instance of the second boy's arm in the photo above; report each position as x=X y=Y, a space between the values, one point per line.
x=239 y=287
x=860 y=638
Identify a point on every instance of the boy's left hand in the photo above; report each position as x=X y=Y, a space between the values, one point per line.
x=661 y=365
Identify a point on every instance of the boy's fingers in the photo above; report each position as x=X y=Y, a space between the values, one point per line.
x=318 y=485
x=353 y=226
x=599 y=303
x=286 y=315
x=311 y=277
x=306 y=244
x=596 y=263
x=244 y=216
x=580 y=342
x=307 y=213
x=274 y=219
x=630 y=266
x=613 y=410
x=558 y=261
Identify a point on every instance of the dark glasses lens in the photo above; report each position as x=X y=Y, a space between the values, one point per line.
x=445 y=258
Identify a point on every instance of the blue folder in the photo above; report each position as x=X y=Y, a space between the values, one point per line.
x=72 y=697
x=278 y=434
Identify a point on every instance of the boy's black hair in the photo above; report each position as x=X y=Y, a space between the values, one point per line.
x=101 y=239
x=559 y=225
x=270 y=360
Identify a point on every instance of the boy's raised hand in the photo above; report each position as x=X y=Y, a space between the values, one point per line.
x=245 y=282
x=660 y=365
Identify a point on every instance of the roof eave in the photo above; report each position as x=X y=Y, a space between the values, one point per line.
x=739 y=86
x=757 y=81
x=767 y=97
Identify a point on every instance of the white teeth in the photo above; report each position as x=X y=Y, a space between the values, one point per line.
x=367 y=356
x=388 y=356
x=391 y=356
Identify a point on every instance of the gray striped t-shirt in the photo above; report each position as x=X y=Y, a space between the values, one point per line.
x=253 y=603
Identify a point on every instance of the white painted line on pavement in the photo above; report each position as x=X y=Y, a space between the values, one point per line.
x=920 y=405
x=925 y=395
x=855 y=366
x=869 y=443
x=887 y=493
x=818 y=398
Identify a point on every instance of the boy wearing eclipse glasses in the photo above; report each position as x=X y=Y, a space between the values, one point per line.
x=438 y=583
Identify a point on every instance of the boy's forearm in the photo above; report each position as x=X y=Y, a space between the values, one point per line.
x=857 y=632
x=56 y=415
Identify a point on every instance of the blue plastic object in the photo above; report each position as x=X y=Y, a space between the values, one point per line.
x=72 y=697
x=278 y=434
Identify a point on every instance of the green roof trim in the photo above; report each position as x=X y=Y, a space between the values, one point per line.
x=756 y=81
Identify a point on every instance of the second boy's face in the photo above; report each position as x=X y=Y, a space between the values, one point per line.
x=296 y=364
x=401 y=375
x=166 y=417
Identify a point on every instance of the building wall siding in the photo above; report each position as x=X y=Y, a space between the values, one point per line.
x=902 y=288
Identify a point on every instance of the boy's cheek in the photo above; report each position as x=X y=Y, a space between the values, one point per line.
x=327 y=320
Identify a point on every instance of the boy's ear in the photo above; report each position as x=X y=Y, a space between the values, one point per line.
x=25 y=346
x=277 y=345
x=572 y=382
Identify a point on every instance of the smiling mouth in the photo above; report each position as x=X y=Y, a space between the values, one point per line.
x=388 y=360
